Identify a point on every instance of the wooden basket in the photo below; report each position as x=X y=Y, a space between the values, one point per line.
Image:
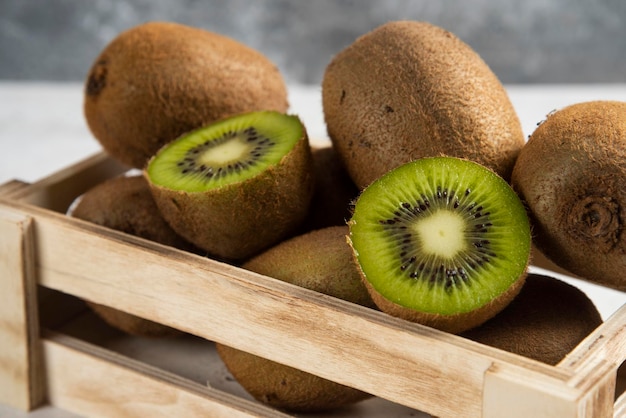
x=49 y=262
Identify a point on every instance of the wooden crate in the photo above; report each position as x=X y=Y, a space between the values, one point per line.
x=50 y=262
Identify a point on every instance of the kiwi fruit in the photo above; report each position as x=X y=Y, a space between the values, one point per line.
x=546 y=321
x=572 y=176
x=158 y=80
x=410 y=89
x=236 y=186
x=442 y=241
x=125 y=204
x=320 y=260
x=334 y=191
x=132 y=324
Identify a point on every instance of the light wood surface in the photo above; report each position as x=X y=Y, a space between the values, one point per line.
x=425 y=369
x=21 y=373
x=95 y=382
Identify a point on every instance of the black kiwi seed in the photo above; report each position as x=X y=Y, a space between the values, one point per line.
x=445 y=275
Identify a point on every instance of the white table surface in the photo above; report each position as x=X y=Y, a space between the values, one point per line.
x=42 y=130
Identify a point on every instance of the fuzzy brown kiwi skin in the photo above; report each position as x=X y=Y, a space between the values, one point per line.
x=158 y=80
x=291 y=389
x=319 y=260
x=410 y=89
x=235 y=222
x=546 y=321
x=572 y=176
x=125 y=204
x=334 y=191
x=132 y=324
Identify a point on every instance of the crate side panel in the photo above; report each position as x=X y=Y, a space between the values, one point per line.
x=304 y=329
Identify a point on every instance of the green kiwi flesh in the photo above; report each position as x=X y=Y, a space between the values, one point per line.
x=125 y=204
x=320 y=260
x=441 y=241
x=572 y=176
x=237 y=186
x=546 y=321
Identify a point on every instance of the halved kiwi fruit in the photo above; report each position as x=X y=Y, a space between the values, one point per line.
x=236 y=186
x=546 y=321
x=441 y=241
x=572 y=176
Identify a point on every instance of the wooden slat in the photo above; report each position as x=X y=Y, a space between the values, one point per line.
x=12 y=186
x=620 y=406
x=88 y=380
x=422 y=368
x=57 y=191
x=21 y=377
x=516 y=394
x=608 y=342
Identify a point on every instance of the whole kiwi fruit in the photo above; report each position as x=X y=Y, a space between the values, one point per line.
x=546 y=321
x=125 y=204
x=320 y=260
x=236 y=186
x=441 y=241
x=411 y=89
x=334 y=190
x=572 y=176
x=158 y=80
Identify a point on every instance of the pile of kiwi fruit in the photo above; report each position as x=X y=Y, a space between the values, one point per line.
x=426 y=203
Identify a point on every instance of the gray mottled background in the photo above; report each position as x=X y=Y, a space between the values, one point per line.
x=530 y=41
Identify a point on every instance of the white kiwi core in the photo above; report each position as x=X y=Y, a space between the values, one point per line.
x=225 y=152
x=442 y=234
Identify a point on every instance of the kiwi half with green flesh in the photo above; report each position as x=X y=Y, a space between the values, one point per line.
x=320 y=260
x=158 y=80
x=408 y=90
x=125 y=204
x=572 y=176
x=236 y=186
x=546 y=321
x=441 y=241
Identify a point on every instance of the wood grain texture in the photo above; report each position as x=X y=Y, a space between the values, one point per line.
x=516 y=394
x=21 y=377
x=95 y=382
x=57 y=191
x=337 y=340
x=12 y=186
x=423 y=368
x=619 y=410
